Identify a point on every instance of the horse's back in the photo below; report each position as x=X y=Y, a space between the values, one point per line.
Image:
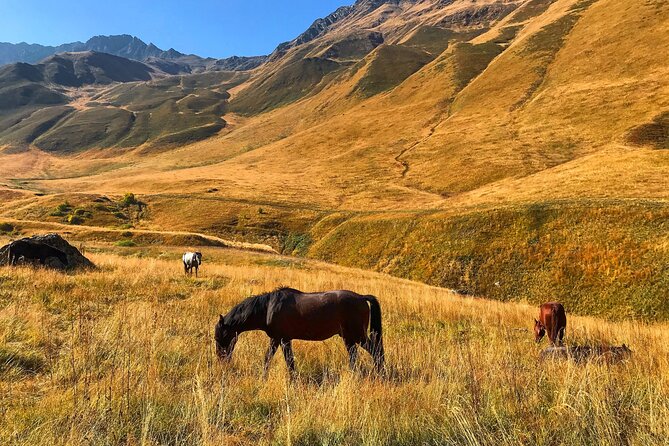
x=316 y=316
x=553 y=310
x=191 y=258
x=554 y=318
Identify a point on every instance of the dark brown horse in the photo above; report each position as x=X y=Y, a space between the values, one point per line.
x=552 y=319
x=286 y=314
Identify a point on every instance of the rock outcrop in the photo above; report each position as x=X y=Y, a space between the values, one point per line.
x=75 y=259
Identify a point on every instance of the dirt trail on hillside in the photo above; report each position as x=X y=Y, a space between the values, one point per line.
x=211 y=238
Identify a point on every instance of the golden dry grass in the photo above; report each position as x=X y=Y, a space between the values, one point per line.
x=124 y=355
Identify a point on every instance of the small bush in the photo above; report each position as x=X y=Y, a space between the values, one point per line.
x=129 y=199
x=63 y=207
x=6 y=227
x=75 y=219
x=126 y=243
x=61 y=210
x=80 y=212
x=120 y=215
x=126 y=234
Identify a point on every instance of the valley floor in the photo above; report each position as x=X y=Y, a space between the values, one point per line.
x=124 y=355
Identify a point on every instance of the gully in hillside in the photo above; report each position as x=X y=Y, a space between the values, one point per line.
x=287 y=314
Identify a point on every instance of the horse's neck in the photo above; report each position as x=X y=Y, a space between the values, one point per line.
x=252 y=323
x=257 y=320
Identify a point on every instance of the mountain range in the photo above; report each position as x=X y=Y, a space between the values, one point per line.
x=126 y=46
x=515 y=149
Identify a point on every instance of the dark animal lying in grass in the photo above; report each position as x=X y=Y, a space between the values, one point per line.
x=31 y=251
x=286 y=314
x=552 y=319
x=582 y=353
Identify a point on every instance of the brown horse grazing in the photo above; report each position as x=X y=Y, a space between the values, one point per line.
x=286 y=314
x=552 y=319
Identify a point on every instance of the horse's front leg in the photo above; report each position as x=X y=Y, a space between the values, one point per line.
x=287 y=347
x=273 y=345
x=196 y=270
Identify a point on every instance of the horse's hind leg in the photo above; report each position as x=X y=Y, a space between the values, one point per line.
x=287 y=347
x=352 y=349
x=376 y=351
x=273 y=345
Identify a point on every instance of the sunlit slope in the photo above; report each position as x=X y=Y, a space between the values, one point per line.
x=499 y=125
x=571 y=83
x=576 y=85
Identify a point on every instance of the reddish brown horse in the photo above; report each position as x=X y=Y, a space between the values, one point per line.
x=552 y=319
x=286 y=314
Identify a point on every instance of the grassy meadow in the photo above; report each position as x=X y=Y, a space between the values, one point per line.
x=124 y=355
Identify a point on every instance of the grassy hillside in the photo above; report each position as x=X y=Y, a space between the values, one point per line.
x=427 y=156
x=97 y=357
x=80 y=101
x=601 y=258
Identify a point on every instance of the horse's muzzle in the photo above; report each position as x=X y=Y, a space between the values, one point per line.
x=223 y=355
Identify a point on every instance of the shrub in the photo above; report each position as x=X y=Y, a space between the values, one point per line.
x=126 y=243
x=6 y=227
x=75 y=219
x=63 y=207
x=129 y=199
x=61 y=210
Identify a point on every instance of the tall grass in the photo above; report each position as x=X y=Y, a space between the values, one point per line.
x=124 y=355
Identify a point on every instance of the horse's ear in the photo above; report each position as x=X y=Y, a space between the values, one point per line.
x=221 y=319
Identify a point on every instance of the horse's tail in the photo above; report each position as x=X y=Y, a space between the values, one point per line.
x=376 y=331
x=555 y=324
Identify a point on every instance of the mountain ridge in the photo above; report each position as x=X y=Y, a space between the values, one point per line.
x=129 y=47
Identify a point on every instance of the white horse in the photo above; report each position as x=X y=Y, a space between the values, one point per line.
x=192 y=260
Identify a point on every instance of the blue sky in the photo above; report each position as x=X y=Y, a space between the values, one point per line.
x=214 y=28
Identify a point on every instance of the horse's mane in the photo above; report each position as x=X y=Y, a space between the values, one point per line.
x=253 y=305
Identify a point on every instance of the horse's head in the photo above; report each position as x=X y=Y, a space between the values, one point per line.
x=198 y=256
x=225 y=338
x=539 y=330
